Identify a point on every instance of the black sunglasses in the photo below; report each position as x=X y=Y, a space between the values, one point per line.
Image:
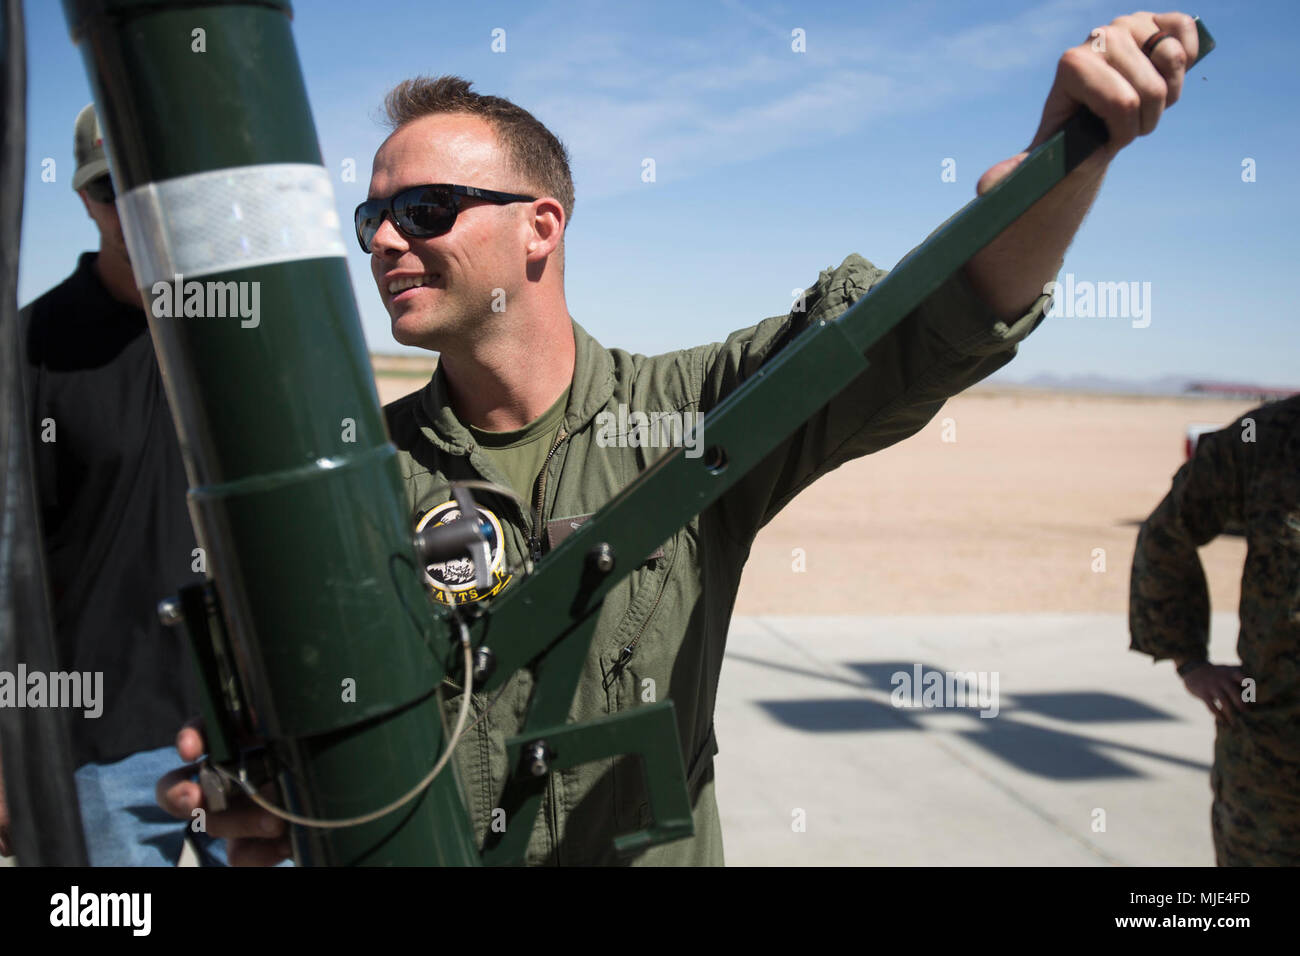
x=422 y=212
x=100 y=189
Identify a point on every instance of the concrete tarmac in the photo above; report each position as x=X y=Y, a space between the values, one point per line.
x=1094 y=757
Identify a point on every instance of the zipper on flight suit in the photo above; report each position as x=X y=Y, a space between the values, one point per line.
x=626 y=653
x=624 y=656
x=535 y=539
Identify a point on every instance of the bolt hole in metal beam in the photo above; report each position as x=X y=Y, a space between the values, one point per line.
x=715 y=459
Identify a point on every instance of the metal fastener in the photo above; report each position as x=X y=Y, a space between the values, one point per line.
x=169 y=612
x=602 y=557
x=538 y=758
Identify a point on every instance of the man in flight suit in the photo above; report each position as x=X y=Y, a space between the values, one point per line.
x=520 y=393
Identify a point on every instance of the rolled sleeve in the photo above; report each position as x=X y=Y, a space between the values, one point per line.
x=947 y=343
x=966 y=322
x=1169 y=600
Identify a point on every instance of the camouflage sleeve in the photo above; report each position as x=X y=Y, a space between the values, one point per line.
x=1169 y=603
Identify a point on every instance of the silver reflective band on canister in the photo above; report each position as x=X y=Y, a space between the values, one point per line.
x=229 y=219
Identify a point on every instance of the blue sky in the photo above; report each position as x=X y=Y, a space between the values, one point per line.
x=773 y=165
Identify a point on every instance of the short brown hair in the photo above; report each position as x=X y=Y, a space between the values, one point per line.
x=534 y=151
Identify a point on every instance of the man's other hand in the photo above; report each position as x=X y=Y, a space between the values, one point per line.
x=253 y=836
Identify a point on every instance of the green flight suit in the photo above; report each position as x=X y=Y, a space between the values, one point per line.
x=663 y=629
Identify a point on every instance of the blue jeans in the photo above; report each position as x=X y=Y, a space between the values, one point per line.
x=123 y=823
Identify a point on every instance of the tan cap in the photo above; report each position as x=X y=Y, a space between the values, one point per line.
x=88 y=147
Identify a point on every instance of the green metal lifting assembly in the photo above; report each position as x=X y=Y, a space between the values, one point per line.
x=314 y=572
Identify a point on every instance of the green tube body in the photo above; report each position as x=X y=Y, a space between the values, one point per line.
x=295 y=492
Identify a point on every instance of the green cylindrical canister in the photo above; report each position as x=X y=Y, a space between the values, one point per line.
x=295 y=492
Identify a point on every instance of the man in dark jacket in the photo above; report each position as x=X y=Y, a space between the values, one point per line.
x=111 y=487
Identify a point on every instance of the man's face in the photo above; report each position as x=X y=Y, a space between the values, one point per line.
x=483 y=252
x=109 y=224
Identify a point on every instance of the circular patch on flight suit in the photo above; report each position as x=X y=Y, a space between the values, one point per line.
x=457 y=576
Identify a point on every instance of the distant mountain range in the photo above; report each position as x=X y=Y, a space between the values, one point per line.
x=422 y=365
x=1162 y=385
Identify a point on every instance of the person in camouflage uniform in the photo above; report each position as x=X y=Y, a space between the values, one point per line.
x=1245 y=476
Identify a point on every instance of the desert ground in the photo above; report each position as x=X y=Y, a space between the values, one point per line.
x=1005 y=516
x=997 y=541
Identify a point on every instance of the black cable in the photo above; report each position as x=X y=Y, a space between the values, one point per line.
x=34 y=742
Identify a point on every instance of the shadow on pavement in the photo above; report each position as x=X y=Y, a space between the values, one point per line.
x=1043 y=751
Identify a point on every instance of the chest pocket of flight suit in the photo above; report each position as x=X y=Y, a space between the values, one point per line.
x=637 y=659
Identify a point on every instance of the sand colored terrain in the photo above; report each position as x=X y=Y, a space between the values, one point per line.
x=398 y=375
x=1003 y=519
